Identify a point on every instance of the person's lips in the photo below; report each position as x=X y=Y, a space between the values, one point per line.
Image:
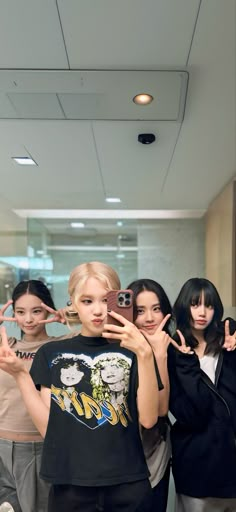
x=97 y=322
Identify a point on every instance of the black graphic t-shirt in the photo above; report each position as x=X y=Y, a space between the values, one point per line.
x=93 y=435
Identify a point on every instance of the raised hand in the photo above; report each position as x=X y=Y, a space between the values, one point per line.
x=182 y=347
x=230 y=339
x=58 y=315
x=9 y=362
x=127 y=333
x=4 y=318
x=160 y=340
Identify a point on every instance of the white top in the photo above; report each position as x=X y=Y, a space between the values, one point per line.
x=208 y=364
x=157 y=460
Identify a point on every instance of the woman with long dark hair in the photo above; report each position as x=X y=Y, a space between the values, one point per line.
x=151 y=308
x=20 y=442
x=203 y=401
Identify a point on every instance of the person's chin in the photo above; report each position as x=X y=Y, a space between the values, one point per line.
x=97 y=329
x=30 y=330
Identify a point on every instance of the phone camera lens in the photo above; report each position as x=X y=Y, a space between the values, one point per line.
x=127 y=295
x=121 y=298
x=127 y=302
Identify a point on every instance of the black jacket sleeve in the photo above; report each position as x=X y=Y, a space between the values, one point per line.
x=190 y=397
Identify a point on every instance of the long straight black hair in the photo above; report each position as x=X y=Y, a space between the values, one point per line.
x=33 y=287
x=149 y=285
x=191 y=295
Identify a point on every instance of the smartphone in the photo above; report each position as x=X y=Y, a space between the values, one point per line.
x=120 y=301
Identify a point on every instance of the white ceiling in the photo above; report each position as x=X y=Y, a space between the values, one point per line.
x=44 y=45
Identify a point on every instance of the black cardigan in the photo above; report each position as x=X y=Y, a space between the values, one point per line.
x=203 y=437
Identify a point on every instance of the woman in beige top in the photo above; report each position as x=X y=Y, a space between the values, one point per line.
x=20 y=442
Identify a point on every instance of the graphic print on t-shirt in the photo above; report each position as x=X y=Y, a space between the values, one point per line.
x=92 y=390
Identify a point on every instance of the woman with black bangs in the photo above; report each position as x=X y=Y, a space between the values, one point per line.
x=152 y=308
x=203 y=401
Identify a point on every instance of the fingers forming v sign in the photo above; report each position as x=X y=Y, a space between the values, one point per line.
x=58 y=315
x=182 y=347
x=230 y=340
x=5 y=349
x=4 y=318
x=9 y=362
x=160 y=340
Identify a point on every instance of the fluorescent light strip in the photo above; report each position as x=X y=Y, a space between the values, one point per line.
x=92 y=248
x=110 y=214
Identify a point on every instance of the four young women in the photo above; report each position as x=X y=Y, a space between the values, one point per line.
x=95 y=399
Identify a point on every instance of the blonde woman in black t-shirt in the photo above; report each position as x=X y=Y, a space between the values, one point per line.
x=93 y=455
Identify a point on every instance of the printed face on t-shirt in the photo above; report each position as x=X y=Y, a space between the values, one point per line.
x=93 y=389
x=112 y=373
x=71 y=375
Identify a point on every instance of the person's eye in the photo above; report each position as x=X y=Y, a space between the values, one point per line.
x=157 y=309
x=37 y=311
x=19 y=312
x=87 y=301
x=105 y=301
x=210 y=307
x=140 y=311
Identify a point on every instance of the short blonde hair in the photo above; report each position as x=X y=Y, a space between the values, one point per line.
x=105 y=274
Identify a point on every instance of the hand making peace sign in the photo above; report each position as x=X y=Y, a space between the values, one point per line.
x=230 y=339
x=160 y=340
x=9 y=362
x=182 y=347
x=58 y=315
x=4 y=318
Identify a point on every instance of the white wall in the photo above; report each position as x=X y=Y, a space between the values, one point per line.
x=171 y=251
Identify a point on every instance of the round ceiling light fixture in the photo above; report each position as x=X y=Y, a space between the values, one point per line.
x=143 y=99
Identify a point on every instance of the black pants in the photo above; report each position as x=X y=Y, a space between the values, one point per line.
x=160 y=492
x=129 y=497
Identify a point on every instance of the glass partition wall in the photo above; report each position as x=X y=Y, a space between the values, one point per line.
x=169 y=251
x=56 y=246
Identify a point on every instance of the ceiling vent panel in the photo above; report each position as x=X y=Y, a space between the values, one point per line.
x=105 y=95
x=36 y=105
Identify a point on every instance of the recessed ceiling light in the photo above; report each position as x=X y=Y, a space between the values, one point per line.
x=113 y=200
x=77 y=224
x=24 y=160
x=119 y=223
x=143 y=99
